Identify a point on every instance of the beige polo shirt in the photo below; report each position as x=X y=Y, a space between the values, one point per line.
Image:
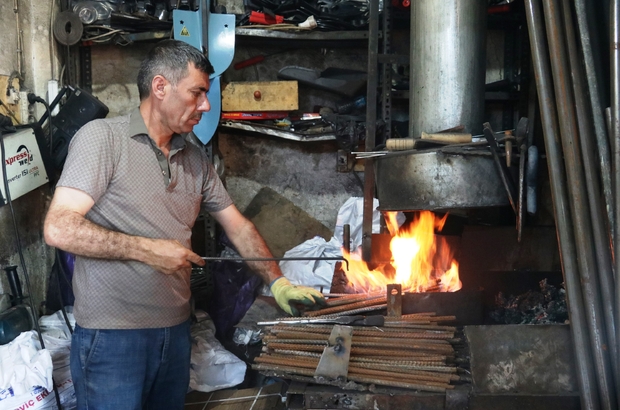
x=139 y=192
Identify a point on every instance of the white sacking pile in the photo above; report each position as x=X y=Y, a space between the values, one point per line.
x=26 y=369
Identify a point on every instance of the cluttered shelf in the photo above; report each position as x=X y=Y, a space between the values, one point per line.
x=302 y=35
x=325 y=134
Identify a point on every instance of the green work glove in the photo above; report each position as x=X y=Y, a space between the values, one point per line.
x=285 y=293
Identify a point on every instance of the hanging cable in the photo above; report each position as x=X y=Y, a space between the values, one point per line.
x=32 y=98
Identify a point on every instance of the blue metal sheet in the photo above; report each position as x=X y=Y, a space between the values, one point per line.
x=205 y=129
x=221 y=41
x=187 y=26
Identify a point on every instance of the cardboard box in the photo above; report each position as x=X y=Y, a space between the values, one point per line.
x=260 y=96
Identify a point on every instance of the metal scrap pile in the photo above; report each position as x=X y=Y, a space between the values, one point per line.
x=533 y=307
x=408 y=351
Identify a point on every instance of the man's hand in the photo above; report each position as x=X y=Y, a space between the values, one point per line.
x=169 y=256
x=285 y=293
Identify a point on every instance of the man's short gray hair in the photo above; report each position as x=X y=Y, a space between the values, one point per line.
x=170 y=59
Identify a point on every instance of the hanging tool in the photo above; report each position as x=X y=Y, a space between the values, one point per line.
x=521 y=136
x=531 y=177
x=374 y=320
x=508 y=147
x=256 y=59
x=504 y=173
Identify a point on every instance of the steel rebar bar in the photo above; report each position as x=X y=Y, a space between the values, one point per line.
x=429 y=332
x=540 y=58
x=356 y=337
x=401 y=377
x=359 y=377
x=415 y=386
x=364 y=351
x=430 y=375
x=347 y=308
x=345 y=300
x=372 y=369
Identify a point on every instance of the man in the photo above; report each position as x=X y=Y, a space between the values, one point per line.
x=131 y=189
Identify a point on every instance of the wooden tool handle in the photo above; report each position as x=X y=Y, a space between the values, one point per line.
x=452 y=138
x=399 y=144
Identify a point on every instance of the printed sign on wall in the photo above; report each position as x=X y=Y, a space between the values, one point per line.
x=24 y=165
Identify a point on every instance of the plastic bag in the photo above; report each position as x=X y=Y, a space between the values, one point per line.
x=35 y=394
x=352 y=213
x=212 y=366
x=316 y=274
x=23 y=364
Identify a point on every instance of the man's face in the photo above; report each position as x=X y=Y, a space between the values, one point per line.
x=186 y=101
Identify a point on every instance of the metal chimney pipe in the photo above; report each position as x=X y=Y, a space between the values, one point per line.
x=448 y=58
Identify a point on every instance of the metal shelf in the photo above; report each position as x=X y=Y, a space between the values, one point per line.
x=277 y=132
x=302 y=35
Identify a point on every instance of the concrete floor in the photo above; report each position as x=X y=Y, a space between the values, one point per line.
x=259 y=398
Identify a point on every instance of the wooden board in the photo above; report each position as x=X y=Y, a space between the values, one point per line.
x=13 y=109
x=260 y=96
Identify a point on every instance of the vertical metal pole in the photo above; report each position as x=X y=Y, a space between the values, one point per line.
x=593 y=79
x=371 y=127
x=615 y=140
x=346 y=237
x=597 y=216
x=584 y=368
x=580 y=211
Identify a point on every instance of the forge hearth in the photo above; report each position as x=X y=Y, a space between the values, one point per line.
x=502 y=366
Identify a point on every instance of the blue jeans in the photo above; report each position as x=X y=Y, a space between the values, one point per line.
x=132 y=369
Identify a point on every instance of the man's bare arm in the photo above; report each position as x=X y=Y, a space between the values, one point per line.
x=249 y=242
x=66 y=228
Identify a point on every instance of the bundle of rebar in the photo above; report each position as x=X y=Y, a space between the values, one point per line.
x=393 y=355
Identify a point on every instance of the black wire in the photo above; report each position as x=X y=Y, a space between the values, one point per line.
x=49 y=123
x=49 y=127
x=21 y=257
x=62 y=302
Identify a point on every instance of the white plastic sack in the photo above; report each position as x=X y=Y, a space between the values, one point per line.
x=24 y=365
x=57 y=339
x=36 y=398
x=352 y=213
x=312 y=273
x=212 y=367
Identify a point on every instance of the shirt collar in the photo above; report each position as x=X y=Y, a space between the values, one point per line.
x=137 y=127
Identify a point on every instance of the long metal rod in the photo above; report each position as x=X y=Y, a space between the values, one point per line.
x=590 y=166
x=564 y=229
x=242 y=259
x=588 y=40
x=578 y=200
x=615 y=138
x=371 y=127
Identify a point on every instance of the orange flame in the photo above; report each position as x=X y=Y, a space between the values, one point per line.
x=418 y=264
